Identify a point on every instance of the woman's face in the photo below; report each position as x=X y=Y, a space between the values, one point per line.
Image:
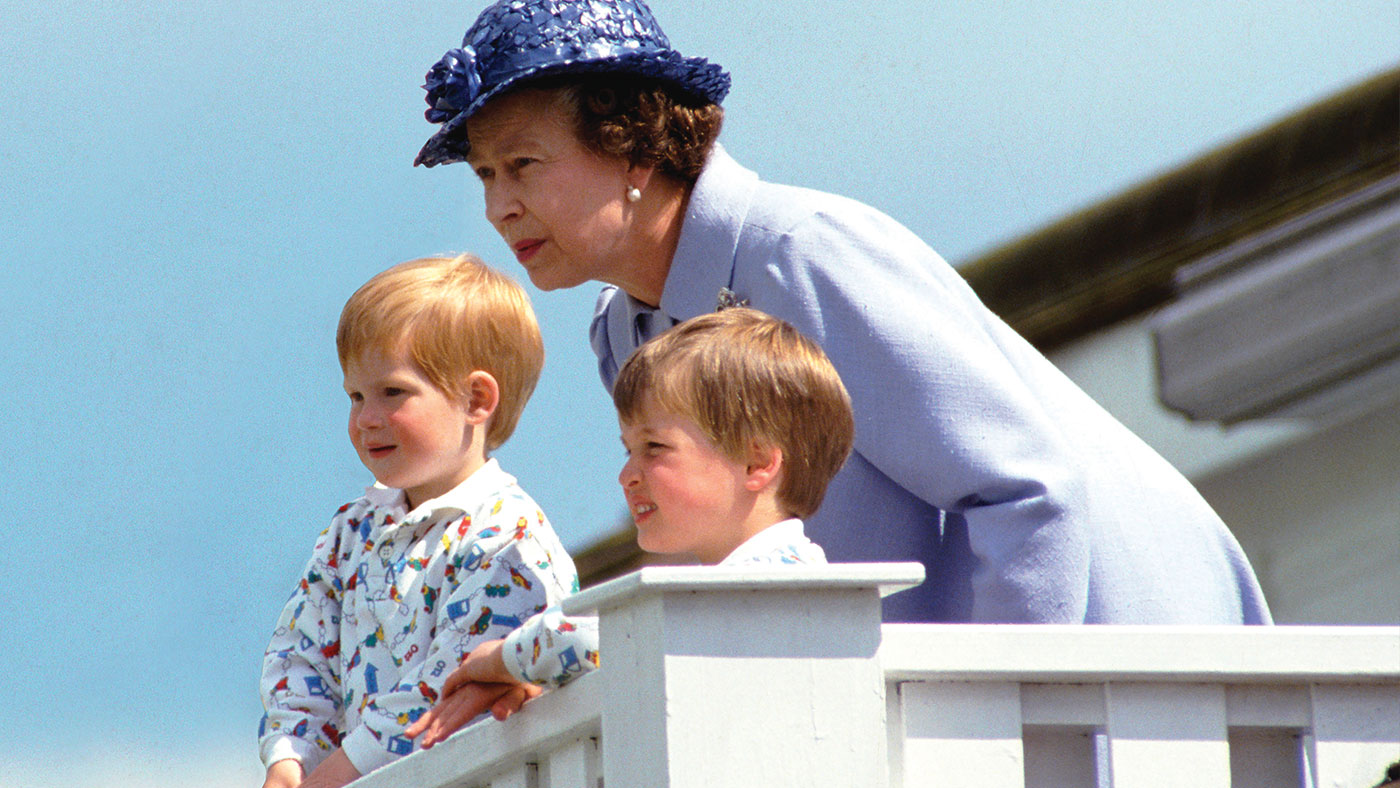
x=560 y=207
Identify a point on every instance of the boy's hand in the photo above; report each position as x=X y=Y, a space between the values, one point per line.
x=511 y=702
x=283 y=774
x=484 y=663
x=479 y=683
x=467 y=701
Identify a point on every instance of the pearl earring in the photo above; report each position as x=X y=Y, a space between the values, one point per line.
x=634 y=194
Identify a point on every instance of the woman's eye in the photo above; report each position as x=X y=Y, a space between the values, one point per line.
x=519 y=162
x=394 y=392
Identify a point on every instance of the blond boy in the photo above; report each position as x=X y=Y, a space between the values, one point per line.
x=733 y=423
x=443 y=553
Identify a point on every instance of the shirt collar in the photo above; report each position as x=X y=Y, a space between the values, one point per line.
x=704 y=258
x=774 y=537
x=461 y=499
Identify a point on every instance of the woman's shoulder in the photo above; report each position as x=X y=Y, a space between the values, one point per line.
x=792 y=227
x=785 y=208
x=796 y=228
x=727 y=189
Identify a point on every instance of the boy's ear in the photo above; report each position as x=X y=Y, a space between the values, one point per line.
x=764 y=467
x=483 y=396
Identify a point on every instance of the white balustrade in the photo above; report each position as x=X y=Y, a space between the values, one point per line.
x=1042 y=706
x=742 y=677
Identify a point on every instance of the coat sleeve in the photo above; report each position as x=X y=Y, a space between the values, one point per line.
x=940 y=406
x=301 y=688
x=501 y=575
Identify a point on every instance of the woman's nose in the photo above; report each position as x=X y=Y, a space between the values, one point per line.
x=502 y=203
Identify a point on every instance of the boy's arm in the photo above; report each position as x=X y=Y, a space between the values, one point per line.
x=334 y=772
x=300 y=685
x=504 y=578
x=549 y=650
x=467 y=701
x=285 y=773
x=500 y=675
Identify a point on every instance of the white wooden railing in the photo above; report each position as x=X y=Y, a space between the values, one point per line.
x=727 y=678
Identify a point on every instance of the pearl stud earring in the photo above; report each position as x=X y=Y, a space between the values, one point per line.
x=634 y=194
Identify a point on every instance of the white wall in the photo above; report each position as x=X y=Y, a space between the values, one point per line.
x=1316 y=507
x=1320 y=519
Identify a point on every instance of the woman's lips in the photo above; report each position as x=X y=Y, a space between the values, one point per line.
x=526 y=249
x=378 y=451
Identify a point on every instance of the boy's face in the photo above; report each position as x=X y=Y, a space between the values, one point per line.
x=408 y=432
x=683 y=493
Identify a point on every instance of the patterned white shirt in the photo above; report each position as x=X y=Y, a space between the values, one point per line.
x=390 y=602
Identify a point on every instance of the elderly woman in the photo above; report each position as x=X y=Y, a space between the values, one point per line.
x=595 y=144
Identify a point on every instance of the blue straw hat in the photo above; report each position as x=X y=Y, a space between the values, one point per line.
x=514 y=40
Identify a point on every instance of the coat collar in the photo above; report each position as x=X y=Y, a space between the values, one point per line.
x=704 y=259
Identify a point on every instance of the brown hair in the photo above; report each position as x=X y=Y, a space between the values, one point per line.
x=647 y=122
x=743 y=378
x=452 y=316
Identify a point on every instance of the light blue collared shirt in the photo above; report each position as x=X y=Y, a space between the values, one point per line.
x=1024 y=499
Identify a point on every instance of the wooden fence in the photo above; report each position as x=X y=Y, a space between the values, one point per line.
x=720 y=677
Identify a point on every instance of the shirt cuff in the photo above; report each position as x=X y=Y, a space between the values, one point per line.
x=567 y=645
x=281 y=748
x=513 y=650
x=367 y=753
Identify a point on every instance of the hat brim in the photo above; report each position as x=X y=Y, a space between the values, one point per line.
x=694 y=75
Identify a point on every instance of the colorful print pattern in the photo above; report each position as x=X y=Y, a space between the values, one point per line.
x=388 y=605
x=552 y=649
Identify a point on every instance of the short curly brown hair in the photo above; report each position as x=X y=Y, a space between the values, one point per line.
x=648 y=122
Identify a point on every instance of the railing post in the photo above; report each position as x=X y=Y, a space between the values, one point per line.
x=1355 y=729
x=717 y=676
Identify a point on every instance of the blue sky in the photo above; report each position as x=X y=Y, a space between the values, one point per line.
x=192 y=189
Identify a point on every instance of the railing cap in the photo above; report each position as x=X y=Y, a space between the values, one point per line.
x=888 y=578
x=1099 y=652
